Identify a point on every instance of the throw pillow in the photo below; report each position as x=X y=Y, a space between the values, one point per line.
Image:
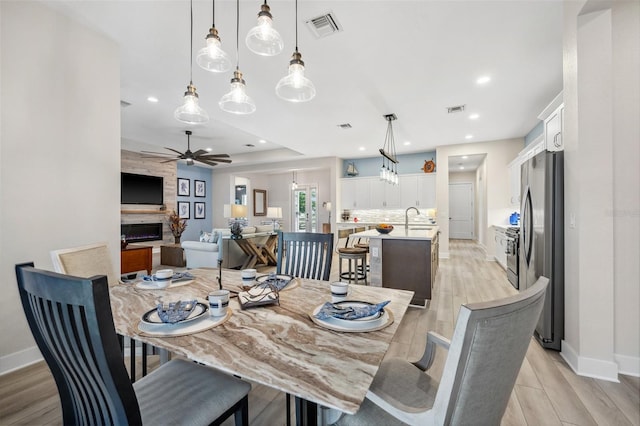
x=206 y=237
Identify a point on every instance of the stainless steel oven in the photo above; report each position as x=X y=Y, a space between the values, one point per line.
x=513 y=241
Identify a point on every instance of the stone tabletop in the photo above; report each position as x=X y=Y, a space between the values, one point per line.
x=278 y=346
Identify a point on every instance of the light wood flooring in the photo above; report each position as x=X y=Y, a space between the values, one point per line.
x=547 y=391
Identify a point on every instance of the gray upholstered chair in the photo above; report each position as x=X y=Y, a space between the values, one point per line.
x=72 y=323
x=308 y=254
x=485 y=354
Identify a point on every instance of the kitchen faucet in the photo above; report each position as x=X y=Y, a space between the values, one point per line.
x=406 y=216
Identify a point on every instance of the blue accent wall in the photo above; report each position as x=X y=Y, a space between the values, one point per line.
x=407 y=164
x=534 y=133
x=194 y=226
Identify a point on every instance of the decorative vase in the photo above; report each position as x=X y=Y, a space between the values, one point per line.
x=177 y=239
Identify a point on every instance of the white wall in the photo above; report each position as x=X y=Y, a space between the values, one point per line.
x=59 y=152
x=276 y=179
x=498 y=156
x=602 y=162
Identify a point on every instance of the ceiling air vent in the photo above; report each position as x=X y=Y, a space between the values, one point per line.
x=455 y=109
x=344 y=126
x=324 y=25
x=124 y=104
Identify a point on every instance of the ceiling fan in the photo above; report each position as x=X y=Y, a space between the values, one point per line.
x=200 y=155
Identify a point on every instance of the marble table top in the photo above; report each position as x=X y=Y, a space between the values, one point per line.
x=277 y=346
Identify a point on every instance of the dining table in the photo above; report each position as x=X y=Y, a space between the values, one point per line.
x=281 y=345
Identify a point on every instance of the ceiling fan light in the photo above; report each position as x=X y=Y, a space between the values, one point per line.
x=295 y=87
x=190 y=111
x=236 y=101
x=212 y=57
x=263 y=39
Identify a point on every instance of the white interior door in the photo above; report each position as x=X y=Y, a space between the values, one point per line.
x=461 y=216
x=305 y=209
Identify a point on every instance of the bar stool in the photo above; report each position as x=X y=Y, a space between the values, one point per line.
x=364 y=245
x=357 y=270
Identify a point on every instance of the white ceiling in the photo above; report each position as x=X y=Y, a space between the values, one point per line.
x=411 y=58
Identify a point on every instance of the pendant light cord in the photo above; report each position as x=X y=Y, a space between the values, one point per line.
x=213 y=13
x=296 y=25
x=191 y=47
x=238 y=34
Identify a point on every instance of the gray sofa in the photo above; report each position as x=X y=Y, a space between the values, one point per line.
x=201 y=254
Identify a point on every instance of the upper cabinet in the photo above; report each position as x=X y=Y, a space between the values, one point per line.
x=553 y=116
x=355 y=193
x=371 y=193
x=418 y=191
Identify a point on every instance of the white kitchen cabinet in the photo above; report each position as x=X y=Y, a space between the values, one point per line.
x=553 y=130
x=418 y=191
x=355 y=193
x=501 y=246
x=514 y=181
x=384 y=195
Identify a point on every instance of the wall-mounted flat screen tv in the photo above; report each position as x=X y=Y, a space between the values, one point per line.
x=141 y=189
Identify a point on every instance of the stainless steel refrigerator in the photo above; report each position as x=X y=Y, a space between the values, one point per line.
x=542 y=239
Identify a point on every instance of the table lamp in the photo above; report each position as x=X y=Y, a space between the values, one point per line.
x=274 y=213
x=237 y=211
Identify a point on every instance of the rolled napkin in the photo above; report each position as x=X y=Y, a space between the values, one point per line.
x=331 y=310
x=177 y=277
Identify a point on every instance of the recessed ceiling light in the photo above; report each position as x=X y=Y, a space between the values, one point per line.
x=464 y=157
x=406 y=143
x=461 y=167
x=262 y=141
x=468 y=137
x=474 y=116
x=361 y=148
x=483 y=80
x=152 y=99
x=208 y=149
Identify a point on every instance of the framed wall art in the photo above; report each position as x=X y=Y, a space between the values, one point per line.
x=183 y=187
x=183 y=209
x=259 y=202
x=198 y=210
x=199 y=188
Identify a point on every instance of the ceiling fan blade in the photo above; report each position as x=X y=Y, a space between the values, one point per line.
x=199 y=152
x=168 y=161
x=157 y=153
x=216 y=159
x=217 y=155
x=171 y=149
x=207 y=162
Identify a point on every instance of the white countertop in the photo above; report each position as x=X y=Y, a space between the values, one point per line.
x=415 y=232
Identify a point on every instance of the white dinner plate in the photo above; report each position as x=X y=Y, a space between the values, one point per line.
x=365 y=324
x=152 y=318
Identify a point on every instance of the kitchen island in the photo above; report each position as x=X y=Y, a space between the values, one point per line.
x=405 y=259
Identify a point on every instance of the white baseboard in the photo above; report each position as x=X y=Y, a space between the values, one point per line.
x=18 y=360
x=628 y=365
x=589 y=367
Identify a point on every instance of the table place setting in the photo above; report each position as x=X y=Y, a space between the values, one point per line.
x=164 y=278
x=185 y=316
x=350 y=315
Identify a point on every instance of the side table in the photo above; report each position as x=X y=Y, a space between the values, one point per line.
x=136 y=258
x=172 y=255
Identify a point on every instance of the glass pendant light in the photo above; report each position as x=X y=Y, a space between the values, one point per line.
x=190 y=112
x=295 y=87
x=237 y=101
x=212 y=57
x=388 y=152
x=263 y=39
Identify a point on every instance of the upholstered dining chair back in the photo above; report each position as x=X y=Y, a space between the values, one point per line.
x=305 y=255
x=488 y=346
x=71 y=321
x=85 y=261
x=485 y=354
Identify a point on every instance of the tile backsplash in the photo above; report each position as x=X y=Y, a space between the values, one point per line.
x=392 y=215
